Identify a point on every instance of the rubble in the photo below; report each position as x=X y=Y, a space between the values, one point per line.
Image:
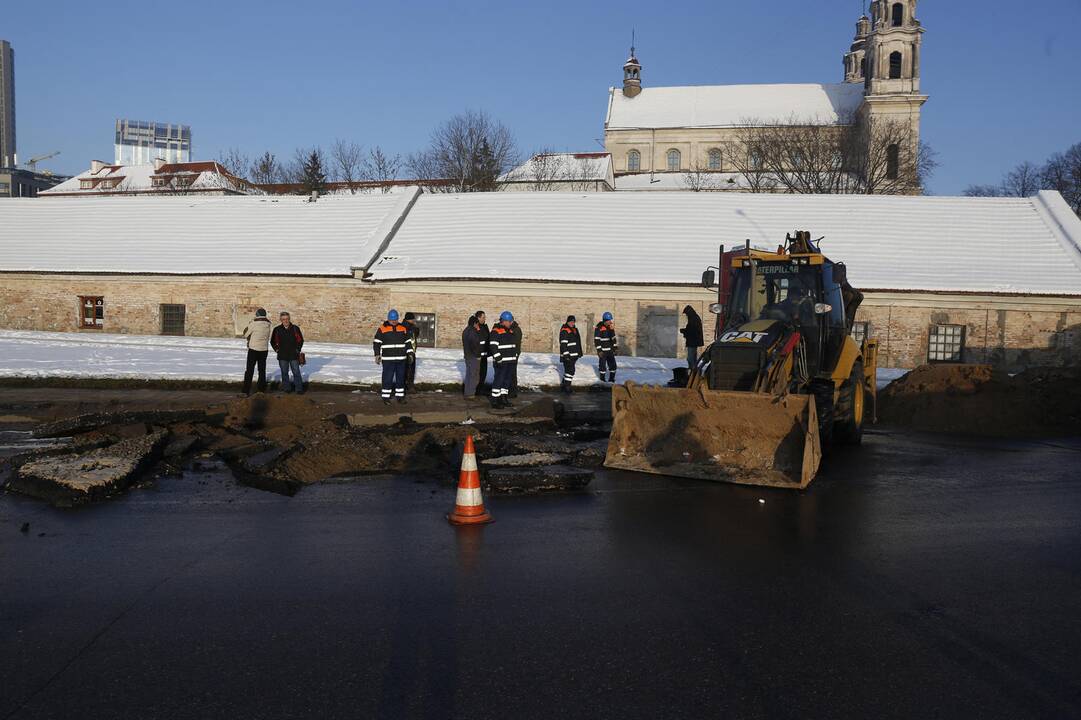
x=979 y=400
x=75 y=479
x=545 y=478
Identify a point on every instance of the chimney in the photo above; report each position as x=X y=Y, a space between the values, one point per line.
x=314 y=197
x=159 y=163
x=96 y=166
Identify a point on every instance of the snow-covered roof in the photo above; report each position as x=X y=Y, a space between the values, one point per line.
x=563 y=167
x=208 y=176
x=682 y=181
x=990 y=245
x=198 y=235
x=732 y=105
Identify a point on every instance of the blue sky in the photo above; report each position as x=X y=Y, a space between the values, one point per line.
x=1003 y=80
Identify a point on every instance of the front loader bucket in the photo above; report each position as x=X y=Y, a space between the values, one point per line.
x=739 y=437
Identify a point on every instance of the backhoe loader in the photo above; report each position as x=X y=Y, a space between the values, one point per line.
x=783 y=379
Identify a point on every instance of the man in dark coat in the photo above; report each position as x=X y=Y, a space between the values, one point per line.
x=570 y=349
x=392 y=346
x=473 y=352
x=482 y=332
x=606 y=344
x=288 y=341
x=410 y=322
x=504 y=357
x=693 y=334
x=516 y=333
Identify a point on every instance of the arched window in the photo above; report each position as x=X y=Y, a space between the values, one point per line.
x=895 y=65
x=634 y=161
x=674 y=160
x=756 y=159
x=898 y=18
x=893 y=162
x=863 y=66
x=714 y=159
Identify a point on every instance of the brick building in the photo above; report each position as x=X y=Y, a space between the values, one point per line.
x=972 y=279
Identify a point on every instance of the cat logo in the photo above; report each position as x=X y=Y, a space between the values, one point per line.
x=743 y=337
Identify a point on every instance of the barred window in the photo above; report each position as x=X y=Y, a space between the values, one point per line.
x=91 y=312
x=861 y=331
x=425 y=323
x=946 y=343
x=172 y=319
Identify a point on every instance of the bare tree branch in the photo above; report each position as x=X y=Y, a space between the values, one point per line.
x=382 y=168
x=471 y=150
x=347 y=159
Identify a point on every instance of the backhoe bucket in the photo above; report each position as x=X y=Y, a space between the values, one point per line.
x=739 y=437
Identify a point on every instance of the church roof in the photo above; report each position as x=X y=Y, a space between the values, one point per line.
x=732 y=105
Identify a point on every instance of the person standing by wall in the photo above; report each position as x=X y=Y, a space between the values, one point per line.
x=473 y=353
x=501 y=349
x=410 y=322
x=606 y=344
x=257 y=333
x=516 y=334
x=483 y=333
x=570 y=349
x=693 y=334
x=392 y=347
x=288 y=341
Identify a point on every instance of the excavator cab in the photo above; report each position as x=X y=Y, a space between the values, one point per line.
x=782 y=375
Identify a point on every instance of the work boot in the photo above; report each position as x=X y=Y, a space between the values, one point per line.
x=386 y=401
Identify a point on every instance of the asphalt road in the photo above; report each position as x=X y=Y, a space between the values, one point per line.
x=919 y=576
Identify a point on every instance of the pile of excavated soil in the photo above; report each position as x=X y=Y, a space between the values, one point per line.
x=979 y=400
x=268 y=411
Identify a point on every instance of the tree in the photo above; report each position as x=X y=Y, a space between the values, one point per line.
x=699 y=179
x=471 y=150
x=266 y=170
x=348 y=159
x=313 y=175
x=381 y=168
x=862 y=155
x=235 y=162
x=1061 y=172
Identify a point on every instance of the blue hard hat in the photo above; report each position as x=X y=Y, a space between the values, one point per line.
x=505 y=315
x=392 y=315
x=606 y=317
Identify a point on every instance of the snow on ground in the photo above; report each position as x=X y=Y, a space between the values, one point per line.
x=151 y=357
x=32 y=354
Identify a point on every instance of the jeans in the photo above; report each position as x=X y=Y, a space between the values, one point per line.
x=393 y=379
x=606 y=364
x=472 y=376
x=293 y=366
x=692 y=357
x=256 y=358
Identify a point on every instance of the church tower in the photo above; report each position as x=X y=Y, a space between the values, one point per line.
x=854 y=58
x=893 y=48
x=632 y=76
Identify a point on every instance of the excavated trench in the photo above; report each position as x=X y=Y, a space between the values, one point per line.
x=283 y=443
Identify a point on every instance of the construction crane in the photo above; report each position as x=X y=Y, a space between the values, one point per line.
x=32 y=163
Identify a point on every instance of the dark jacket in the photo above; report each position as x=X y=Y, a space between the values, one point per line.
x=501 y=345
x=414 y=332
x=693 y=332
x=392 y=342
x=483 y=334
x=604 y=339
x=516 y=333
x=471 y=343
x=287 y=343
x=570 y=342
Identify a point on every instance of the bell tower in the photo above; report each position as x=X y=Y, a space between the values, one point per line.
x=854 y=58
x=893 y=48
x=632 y=75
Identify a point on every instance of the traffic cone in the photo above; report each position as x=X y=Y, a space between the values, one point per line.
x=469 y=505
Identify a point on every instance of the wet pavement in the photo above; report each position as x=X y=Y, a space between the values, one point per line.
x=919 y=576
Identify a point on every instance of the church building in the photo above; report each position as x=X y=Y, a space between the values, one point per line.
x=659 y=136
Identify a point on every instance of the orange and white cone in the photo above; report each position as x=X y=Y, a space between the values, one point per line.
x=469 y=505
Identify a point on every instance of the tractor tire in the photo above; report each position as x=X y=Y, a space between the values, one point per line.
x=851 y=408
x=823 y=393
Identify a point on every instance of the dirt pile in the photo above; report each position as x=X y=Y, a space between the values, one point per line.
x=979 y=400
